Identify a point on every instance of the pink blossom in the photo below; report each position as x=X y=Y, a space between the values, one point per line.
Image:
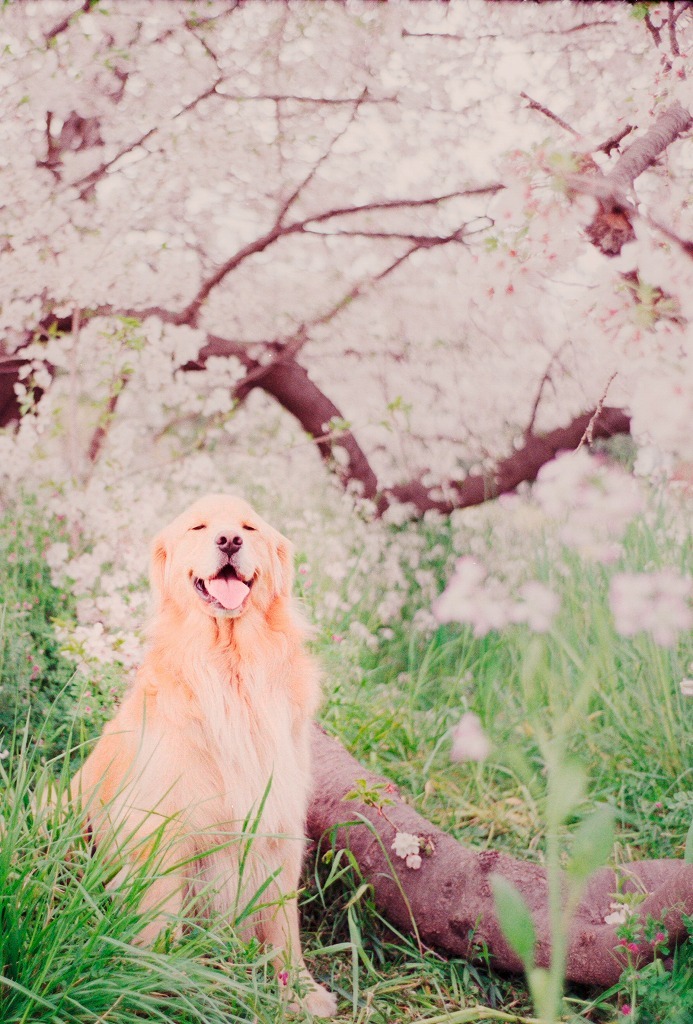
x=626 y=1010
x=594 y=501
x=469 y=742
x=472 y=597
x=657 y=602
x=538 y=606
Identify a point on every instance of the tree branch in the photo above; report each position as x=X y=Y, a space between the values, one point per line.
x=523 y=465
x=550 y=114
x=611 y=226
x=643 y=152
x=448 y=900
x=68 y=20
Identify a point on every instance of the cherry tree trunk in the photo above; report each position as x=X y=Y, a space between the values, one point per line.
x=448 y=900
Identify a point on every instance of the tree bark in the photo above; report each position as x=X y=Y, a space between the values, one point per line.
x=448 y=900
x=289 y=383
x=611 y=227
x=523 y=464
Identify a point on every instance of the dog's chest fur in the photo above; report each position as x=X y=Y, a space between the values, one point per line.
x=244 y=750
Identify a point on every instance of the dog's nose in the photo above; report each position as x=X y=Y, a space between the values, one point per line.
x=228 y=544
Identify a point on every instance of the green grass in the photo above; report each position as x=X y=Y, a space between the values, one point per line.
x=67 y=944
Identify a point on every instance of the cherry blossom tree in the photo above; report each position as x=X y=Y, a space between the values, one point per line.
x=442 y=241
x=410 y=225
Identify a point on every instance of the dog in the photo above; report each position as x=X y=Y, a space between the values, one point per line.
x=214 y=734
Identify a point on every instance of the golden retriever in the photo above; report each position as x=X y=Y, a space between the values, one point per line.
x=214 y=733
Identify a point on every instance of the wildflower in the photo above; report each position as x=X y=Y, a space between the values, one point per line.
x=4 y=753
x=626 y=1010
x=633 y=948
x=413 y=861
x=405 y=845
x=283 y=978
x=618 y=915
x=595 y=501
x=471 y=597
x=469 y=742
x=537 y=608
x=659 y=938
x=656 y=602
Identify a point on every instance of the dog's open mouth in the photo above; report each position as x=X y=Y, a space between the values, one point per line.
x=226 y=590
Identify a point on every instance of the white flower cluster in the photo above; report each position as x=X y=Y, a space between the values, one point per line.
x=486 y=602
x=407 y=847
x=659 y=603
x=594 y=501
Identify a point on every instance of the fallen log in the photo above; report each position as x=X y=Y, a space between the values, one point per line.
x=448 y=899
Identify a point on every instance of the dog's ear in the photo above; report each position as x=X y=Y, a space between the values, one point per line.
x=282 y=565
x=158 y=570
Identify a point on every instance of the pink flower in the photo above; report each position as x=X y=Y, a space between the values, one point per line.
x=626 y=1009
x=659 y=938
x=657 y=602
x=633 y=948
x=469 y=742
x=537 y=608
x=283 y=977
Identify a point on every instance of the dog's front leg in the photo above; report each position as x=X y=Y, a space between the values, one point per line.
x=281 y=931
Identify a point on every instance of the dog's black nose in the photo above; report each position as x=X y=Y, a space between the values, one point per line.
x=229 y=545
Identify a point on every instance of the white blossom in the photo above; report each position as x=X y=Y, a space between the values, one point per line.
x=405 y=845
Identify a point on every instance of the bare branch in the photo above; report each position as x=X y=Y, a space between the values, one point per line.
x=86 y=183
x=654 y=30
x=588 y=436
x=534 y=105
x=288 y=203
x=613 y=140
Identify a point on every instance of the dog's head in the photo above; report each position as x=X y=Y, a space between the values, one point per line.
x=221 y=557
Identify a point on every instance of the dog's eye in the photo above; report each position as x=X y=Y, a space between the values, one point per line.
x=200 y=527
x=253 y=529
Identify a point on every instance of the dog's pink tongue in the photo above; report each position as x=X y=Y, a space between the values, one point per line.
x=229 y=593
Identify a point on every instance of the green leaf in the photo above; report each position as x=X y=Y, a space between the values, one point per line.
x=567 y=787
x=688 y=849
x=515 y=919
x=592 y=843
x=539 y=981
x=639 y=11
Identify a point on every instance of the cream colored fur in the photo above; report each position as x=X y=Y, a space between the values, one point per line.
x=216 y=721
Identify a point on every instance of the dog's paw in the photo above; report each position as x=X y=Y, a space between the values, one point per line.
x=320 y=1002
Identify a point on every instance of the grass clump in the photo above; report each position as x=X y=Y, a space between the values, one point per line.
x=36 y=681
x=68 y=944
